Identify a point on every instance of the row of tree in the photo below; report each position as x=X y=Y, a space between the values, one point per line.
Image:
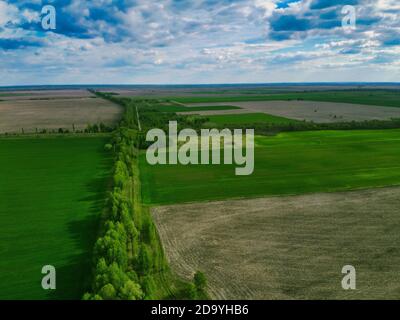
x=98 y=128
x=273 y=128
x=117 y=248
x=90 y=128
x=128 y=257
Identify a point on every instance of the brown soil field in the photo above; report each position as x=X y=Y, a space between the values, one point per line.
x=288 y=247
x=55 y=114
x=319 y=112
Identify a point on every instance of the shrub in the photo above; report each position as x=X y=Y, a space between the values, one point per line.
x=108 y=292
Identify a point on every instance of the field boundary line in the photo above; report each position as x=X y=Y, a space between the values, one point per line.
x=138 y=119
x=179 y=103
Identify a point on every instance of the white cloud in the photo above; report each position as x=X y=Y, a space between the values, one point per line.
x=197 y=41
x=8 y=13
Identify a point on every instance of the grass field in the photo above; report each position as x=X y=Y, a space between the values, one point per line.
x=367 y=97
x=179 y=108
x=51 y=194
x=290 y=163
x=247 y=118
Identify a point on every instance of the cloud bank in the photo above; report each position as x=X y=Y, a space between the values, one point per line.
x=198 y=41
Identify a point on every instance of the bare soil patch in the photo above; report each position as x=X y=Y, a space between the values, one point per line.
x=288 y=247
x=54 y=114
x=44 y=94
x=319 y=112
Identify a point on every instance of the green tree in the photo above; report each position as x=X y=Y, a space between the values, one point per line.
x=144 y=260
x=131 y=291
x=200 y=284
x=190 y=292
x=200 y=281
x=89 y=296
x=108 y=292
x=148 y=286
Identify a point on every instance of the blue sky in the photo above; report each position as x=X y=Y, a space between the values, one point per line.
x=198 y=41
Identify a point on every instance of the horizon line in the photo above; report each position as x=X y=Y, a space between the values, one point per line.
x=206 y=84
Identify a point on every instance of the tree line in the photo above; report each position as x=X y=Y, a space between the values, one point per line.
x=275 y=128
x=128 y=259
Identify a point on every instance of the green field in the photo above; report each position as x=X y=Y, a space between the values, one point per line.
x=388 y=98
x=51 y=193
x=247 y=118
x=180 y=108
x=289 y=163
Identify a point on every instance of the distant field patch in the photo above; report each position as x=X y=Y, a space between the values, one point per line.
x=29 y=115
x=247 y=118
x=388 y=98
x=45 y=94
x=289 y=163
x=181 y=108
x=288 y=247
x=52 y=191
x=13 y=94
x=319 y=112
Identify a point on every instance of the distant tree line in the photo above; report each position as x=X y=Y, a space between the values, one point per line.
x=274 y=128
x=90 y=128
x=98 y=128
x=151 y=117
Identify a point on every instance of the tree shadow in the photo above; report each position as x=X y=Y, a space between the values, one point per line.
x=74 y=278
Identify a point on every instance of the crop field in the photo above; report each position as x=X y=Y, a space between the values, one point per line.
x=318 y=112
x=44 y=94
x=52 y=114
x=288 y=247
x=286 y=164
x=387 y=98
x=52 y=191
x=246 y=118
x=317 y=199
x=178 y=152
x=184 y=109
